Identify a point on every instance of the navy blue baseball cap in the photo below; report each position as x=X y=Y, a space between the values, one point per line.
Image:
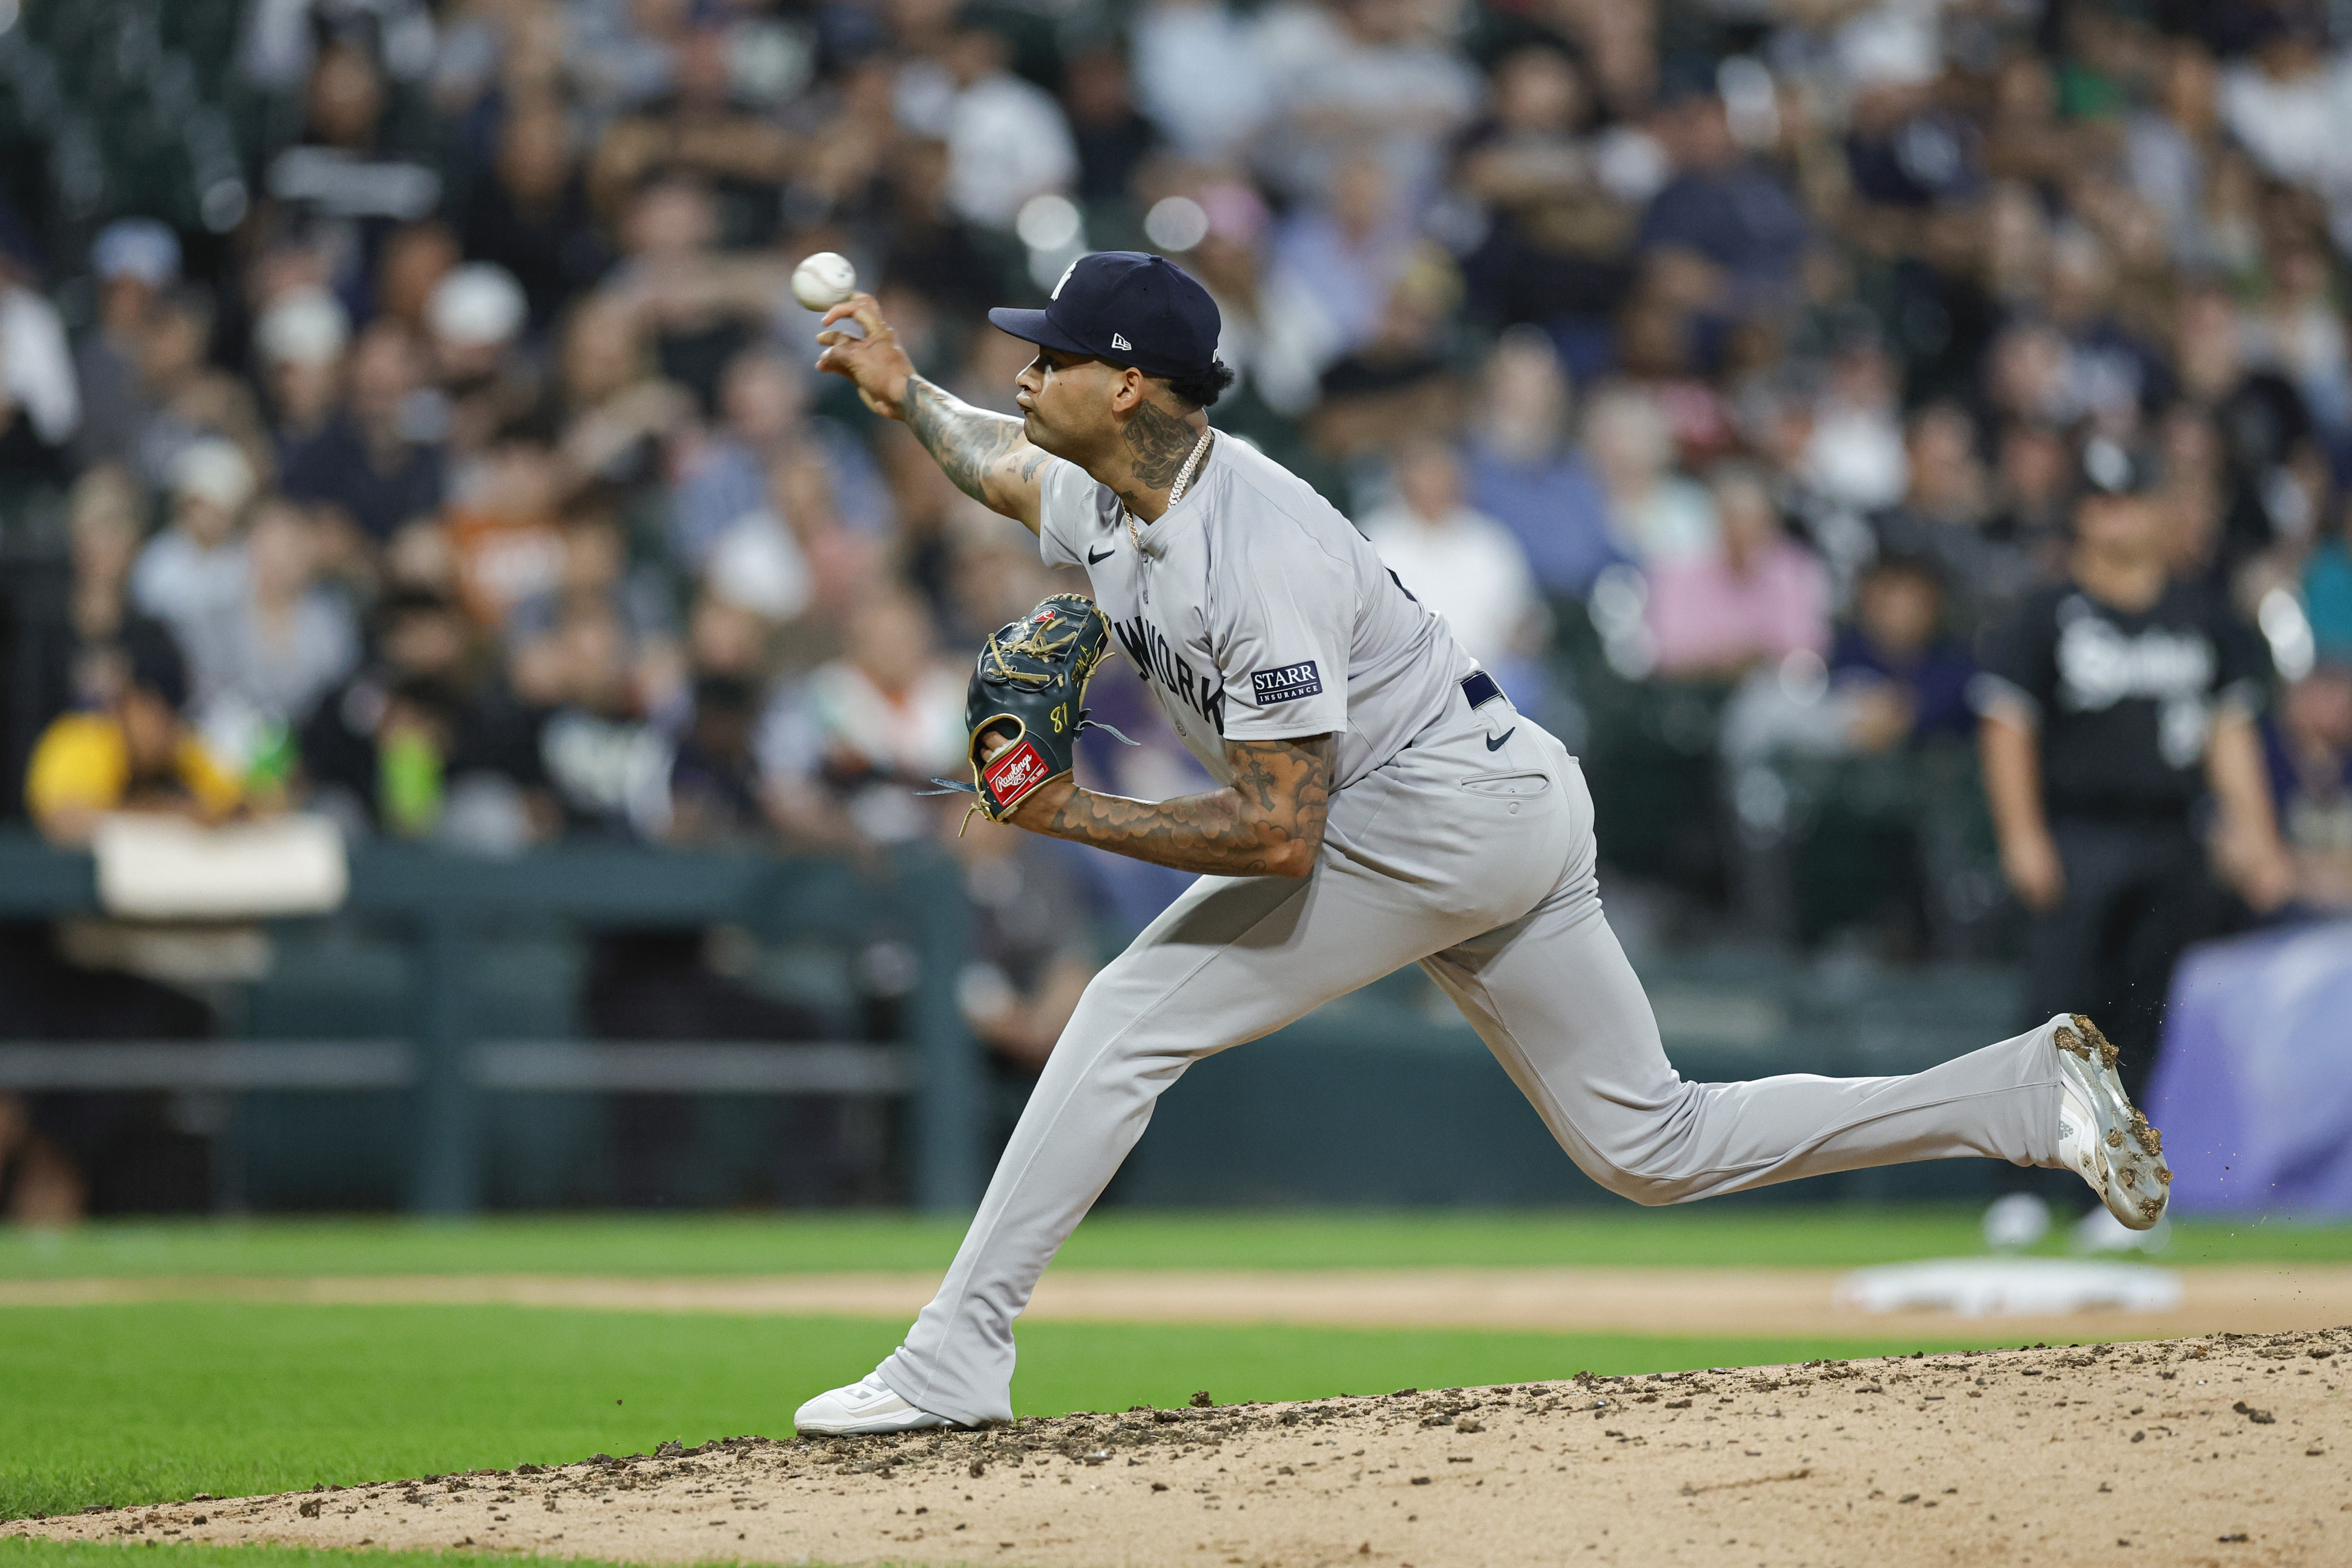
x=1126 y=307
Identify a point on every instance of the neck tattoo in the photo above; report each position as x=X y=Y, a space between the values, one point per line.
x=1175 y=491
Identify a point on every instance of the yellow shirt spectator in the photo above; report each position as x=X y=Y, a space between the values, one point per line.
x=82 y=763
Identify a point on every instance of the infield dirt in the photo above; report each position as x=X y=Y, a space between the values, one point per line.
x=2225 y=1450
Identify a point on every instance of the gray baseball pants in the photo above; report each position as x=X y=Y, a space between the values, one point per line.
x=1476 y=863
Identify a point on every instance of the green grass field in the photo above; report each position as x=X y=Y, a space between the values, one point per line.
x=1721 y=1235
x=141 y=1402
x=18 y=1553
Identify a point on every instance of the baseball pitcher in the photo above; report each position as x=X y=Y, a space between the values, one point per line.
x=1380 y=803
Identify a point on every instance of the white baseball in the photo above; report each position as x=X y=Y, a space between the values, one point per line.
x=824 y=281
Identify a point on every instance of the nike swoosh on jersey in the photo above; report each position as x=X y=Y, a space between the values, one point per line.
x=1094 y=560
x=1495 y=743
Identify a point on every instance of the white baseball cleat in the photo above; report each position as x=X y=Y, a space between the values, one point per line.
x=2102 y=1136
x=865 y=1407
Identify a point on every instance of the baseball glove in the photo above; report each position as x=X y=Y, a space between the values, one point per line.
x=1029 y=686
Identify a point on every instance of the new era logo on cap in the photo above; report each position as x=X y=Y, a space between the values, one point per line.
x=1175 y=320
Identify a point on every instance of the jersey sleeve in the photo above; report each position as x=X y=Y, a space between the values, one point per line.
x=2017 y=666
x=2242 y=667
x=1280 y=632
x=1065 y=513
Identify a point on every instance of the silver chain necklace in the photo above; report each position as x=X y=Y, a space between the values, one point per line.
x=1175 y=491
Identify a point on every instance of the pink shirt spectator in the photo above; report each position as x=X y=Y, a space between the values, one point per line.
x=1707 y=615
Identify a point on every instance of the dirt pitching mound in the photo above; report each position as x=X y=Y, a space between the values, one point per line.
x=2227 y=1450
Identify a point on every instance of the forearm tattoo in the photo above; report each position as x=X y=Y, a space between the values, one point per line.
x=1270 y=819
x=966 y=441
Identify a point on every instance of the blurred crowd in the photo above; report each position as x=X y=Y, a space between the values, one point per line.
x=403 y=414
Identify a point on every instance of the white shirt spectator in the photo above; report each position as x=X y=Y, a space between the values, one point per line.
x=2294 y=127
x=1468 y=568
x=1199 y=74
x=187 y=585
x=1400 y=100
x=1007 y=140
x=37 y=367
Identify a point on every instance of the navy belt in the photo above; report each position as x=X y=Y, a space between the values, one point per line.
x=1479 y=689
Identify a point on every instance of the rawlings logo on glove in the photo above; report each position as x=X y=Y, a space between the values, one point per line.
x=1029 y=688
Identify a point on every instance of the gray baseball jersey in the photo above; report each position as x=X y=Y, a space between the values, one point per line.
x=1258 y=612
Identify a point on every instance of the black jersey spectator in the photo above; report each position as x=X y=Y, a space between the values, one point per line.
x=1113 y=139
x=2114 y=706
x=530 y=213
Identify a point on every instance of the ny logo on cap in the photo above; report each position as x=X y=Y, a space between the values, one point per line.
x=1118 y=343
x=1065 y=278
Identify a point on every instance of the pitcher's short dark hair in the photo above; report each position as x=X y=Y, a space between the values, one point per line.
x=1203 y=387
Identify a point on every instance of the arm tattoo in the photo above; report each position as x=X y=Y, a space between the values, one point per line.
x=967 y=441
x=1160 y=442
x=1268 y=821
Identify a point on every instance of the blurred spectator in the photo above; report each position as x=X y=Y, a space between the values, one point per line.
x=1006 y=138
x=1903 y=675
x=2112 y=704
x=842 y=756
x=348 y=168
x=1113 y=139
x=2310 y=756
x=1947 y=514
x=714 y=775
x=376 y=462
x=1361 y=78
x=725 y=477
x=413 y=262
x=1758 y=598
x=40 y=402
x=2275 y=477
x=409 y=689
x=1342 y=259
x=700 y=128
x=300 y=341
x=472 y=321
x=595 y=574
x=193 y=572
x=184 y=398
x=1561 y=206
x=133 y=260
x=1854 y=456
x=529 y=213
x=1199 y=73
x=1398 y=382
x=1523 y=472
x=1655 y=515
x=84 y=664
x=2282 y=101
x=2170 y=146
x=1722 y=209
x=1463 y=565
x=259 y=661
x=605 y=764
x=136 y=754
x=502 y=529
